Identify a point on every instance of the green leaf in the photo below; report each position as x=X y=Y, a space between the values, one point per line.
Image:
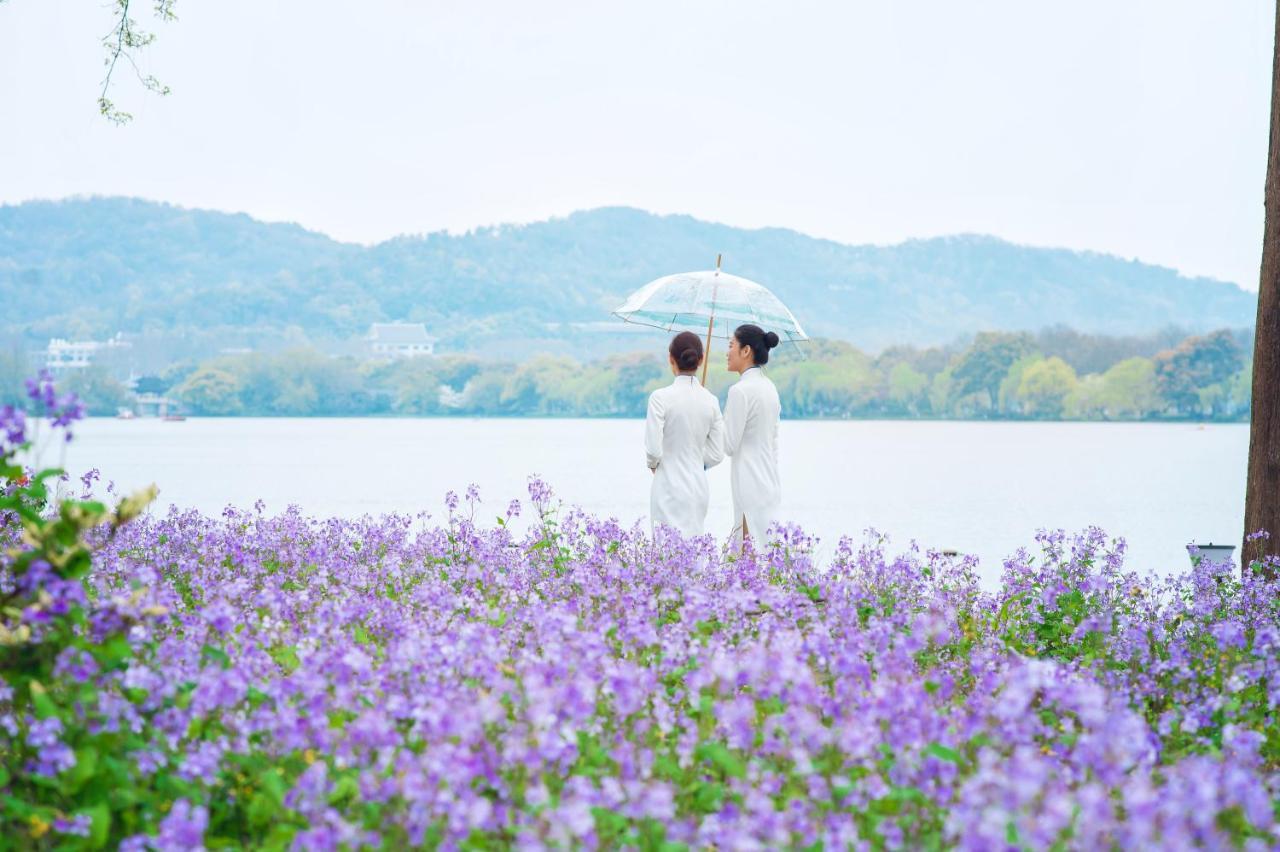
x=609 y=823
x=271 y=784
x=113 y=651
x=907 y=794
x=286 y=657
x=886 y=805
x=263 y=808
x=16 y=808
x=280 y=838
x=99 y=825
x=216 y=655
x=86 y=766
x=346 y=788
x=707 y=796
x=256 y=697
x=943 y=752
x=708 y=627
x=719 y=755
x=44 y=706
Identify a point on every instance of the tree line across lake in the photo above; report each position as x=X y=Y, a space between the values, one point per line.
x=1057 y=373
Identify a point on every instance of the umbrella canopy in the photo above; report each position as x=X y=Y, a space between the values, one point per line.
x=714 y=300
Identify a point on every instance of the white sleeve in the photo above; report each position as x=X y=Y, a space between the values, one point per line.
x=713 y=450
x=735 y=420
x=777 y=421
x=653 y=423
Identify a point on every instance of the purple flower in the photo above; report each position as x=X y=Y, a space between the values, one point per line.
x=63 y=409
x=1229 y=633
x=13 y=426
x=43 y=732
x=75 y=664
x=77 y=825
x=454 y=676
x=41 y=390
x=183 y=828
x=87 y=481
x=202 y=761
x=149 y=760
x=52 y=755
x=539 y=493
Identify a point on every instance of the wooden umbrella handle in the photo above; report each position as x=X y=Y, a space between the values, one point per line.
x=706 y=352
x=711 y=321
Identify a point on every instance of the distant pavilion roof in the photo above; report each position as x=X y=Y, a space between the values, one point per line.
x=399 y=333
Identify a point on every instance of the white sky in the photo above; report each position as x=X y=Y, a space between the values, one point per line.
x=1135 y=127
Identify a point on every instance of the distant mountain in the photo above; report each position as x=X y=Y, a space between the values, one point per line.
x=200 y=280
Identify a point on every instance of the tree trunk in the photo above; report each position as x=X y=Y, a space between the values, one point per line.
x=1262 y=491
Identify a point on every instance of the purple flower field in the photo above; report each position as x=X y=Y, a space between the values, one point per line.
x=291 y=682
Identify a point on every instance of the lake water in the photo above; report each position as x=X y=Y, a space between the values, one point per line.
x=982 y=488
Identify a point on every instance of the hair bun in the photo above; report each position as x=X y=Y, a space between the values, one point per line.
x=685 y=349
x=770 y=339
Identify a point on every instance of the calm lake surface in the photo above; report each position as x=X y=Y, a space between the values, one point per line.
x=982 y=488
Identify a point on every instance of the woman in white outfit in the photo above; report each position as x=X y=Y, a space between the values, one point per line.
x=751 y=416
x=683 y=436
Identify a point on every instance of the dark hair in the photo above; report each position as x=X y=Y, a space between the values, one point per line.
x=757 y=340
x=686 y=349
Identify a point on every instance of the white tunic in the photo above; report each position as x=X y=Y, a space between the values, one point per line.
x=683 y=436
x=751 y=416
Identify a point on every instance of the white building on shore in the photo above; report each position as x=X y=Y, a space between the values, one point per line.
x=388 y=341
x=62 y=355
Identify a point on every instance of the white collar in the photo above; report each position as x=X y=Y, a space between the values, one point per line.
x=692 y=379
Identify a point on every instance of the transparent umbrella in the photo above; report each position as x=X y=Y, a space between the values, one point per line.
x=711 y=302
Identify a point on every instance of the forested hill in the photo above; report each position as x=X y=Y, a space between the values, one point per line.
x=91 y=267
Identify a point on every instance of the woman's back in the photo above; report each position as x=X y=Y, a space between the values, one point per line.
x=683 y=437
x=689 y=411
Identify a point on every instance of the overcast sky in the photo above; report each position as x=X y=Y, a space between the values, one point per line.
x=1134 y=127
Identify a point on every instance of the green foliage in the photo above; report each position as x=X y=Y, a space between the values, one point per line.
x=100 y=392
x=414 y=386
x=983 y=366
x=908 y=390
x=46 y=621
x=1126 y=391
x=1045 y=386
x=211 y=391
x=15 y=366
x=834 y=379
x=1196 y=364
